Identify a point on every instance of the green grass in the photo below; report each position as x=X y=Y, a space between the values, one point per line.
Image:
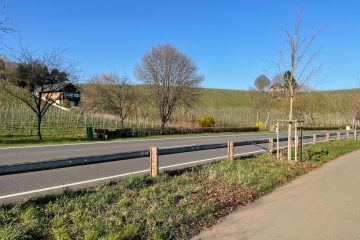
x=228 y=107
x=174 y=205
x=224 y=98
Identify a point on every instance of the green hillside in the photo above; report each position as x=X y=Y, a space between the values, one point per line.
x=224 y=98
x=228 y=107
x=211 y=97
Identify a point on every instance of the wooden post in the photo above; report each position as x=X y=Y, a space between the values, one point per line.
x=347 y=135
x=302 y=141
x=355 y=133
x=338 y=136
x=328 y=137
x=277 y=141
x=289 y=141
x=154 y=161
x=271 y=145
x=296 y=144
x=230 y=150
x=314 y=138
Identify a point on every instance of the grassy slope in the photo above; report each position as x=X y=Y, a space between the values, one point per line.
x=212 y=97
x=175 y=205
x=224 y=98
x=225 y=105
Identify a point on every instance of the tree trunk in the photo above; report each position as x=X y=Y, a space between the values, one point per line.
x=39 y=118
x=162 y=126
x=122 y=122
x=267 y=119
x=290 y=128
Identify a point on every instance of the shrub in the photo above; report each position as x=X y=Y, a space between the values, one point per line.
x=66 y=103
x=273 y=128
x=143 y=132
x=260 y=125
x=206 y=121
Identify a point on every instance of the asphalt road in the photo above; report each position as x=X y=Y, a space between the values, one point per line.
x=21 y=186
x=323 y=204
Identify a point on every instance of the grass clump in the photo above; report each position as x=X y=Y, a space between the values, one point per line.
x=174 y=205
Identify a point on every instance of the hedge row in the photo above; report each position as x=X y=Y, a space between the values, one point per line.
x=143 y=132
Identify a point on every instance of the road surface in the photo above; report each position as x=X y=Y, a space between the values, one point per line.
x=324 y=204
x=20 y=186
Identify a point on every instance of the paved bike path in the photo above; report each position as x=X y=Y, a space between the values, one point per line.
x=323 y=204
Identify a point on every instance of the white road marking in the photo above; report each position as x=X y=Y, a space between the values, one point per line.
x=127 y=174
x=212 y=159
x=135 y=140
x=142 y=140
x=70 y=184
x=117 y=176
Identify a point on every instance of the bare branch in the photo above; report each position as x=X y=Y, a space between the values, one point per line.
x=35 y=80
x=172 y=78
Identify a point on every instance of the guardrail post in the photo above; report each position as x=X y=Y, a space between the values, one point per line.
x=154 y=161
x=355 y=133
x=271 y=145
x=328 y=137
x=314 y=138
x=230 y=150
x=296 y=147
x=277 y=142
x=347 y=135
x=338 y=136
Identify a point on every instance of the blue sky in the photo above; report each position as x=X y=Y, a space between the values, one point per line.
x=232 y=42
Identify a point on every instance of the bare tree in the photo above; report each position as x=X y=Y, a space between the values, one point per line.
x=263 y=100
x=353 y=105
x=172 y=78
x=36 y=81
x=262 y=83
x=5 y=24
x=113 y=94
x=297 y=66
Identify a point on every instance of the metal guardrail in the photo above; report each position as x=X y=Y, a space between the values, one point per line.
x=71 y=162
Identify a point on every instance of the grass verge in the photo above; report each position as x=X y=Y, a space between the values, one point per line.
x=174 y=205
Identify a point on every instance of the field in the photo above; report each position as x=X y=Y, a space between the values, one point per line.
x=230 y=108
x=174 y=205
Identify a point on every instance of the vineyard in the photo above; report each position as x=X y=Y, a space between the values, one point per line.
x=230 y=108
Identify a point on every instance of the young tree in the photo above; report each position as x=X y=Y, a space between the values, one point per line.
x=262 y=83
x=353 y=106
x=262 y=99
x=5 y=24
x=113 y=94
x=35 y=81
x=298 y=67
x=172 y=78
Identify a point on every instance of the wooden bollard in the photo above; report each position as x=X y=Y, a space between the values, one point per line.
x=154 y=161
x=230 y=150
x=338 y=136
x=271 y=145
x=314 y=138
x=347 y=135
x=328 y=137
x=296 y=148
